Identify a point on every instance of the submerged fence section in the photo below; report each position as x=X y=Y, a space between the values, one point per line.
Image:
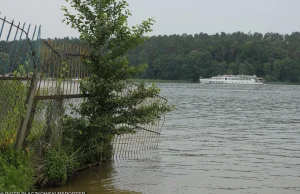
x=40 y=83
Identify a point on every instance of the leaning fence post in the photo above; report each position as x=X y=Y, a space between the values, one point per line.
x=31 y=105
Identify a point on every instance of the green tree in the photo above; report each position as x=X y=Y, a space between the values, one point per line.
x=290 y=71
x=246 y=69
x=102 y=25
x=219 y=68
x=4 y=58
x=277 y=69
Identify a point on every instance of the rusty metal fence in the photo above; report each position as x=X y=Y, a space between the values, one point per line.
x=40 y=83
x=19 y=54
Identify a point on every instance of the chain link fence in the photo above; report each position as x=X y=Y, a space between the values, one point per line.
x=46 y=130
x=13 y=107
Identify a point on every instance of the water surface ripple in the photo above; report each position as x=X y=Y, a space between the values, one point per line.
x=221 y=139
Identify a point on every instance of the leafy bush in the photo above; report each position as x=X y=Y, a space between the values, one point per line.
x=16 y=171
x=108 y=111
x=56 y=167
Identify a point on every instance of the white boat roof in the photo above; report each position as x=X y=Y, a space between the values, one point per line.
x=238 y=76
x=235 y=76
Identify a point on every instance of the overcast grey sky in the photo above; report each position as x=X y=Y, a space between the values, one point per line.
x=173 y=16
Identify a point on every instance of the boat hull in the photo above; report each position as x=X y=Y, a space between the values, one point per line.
x=234 y=83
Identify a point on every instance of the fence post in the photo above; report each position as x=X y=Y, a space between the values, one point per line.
x=31 y=105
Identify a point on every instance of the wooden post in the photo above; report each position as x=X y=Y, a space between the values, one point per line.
x=31 y=104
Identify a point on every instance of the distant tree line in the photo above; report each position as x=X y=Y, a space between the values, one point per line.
x=274 y=56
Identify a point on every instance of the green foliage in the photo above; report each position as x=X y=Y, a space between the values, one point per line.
x=76 y=137
x=16 y=171
x=19 y=57
x=12 y=106
x=4 y=58
x=103 y=27
x=57 y=166
x=246 y=69
x=24 y=70
x=187 y=57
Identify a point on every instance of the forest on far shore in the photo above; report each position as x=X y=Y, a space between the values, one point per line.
x=273 y=56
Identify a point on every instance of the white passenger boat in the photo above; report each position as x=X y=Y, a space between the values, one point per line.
x=233 y=79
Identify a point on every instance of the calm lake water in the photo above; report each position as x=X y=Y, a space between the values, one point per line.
x=221 y=139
